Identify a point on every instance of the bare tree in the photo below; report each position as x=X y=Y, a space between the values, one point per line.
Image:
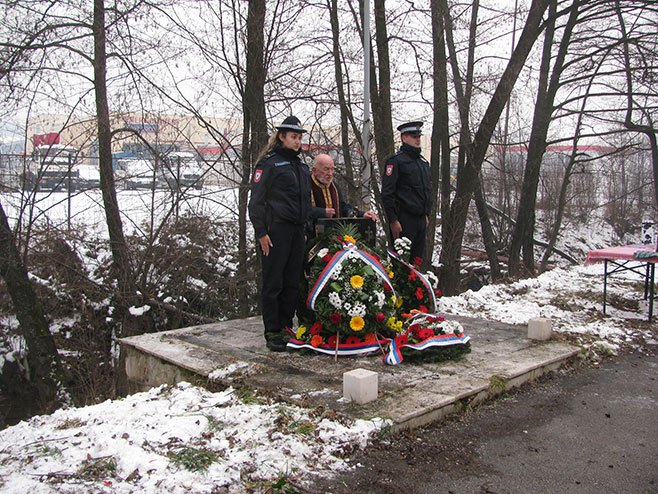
x=549 y=83
x=647 y=126
x=467 y=179
x=37 y=385
x=440 y=155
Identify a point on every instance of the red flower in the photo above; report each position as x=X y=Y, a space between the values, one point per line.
x=326 y=258
x=370 y=338
x=332 y=341
x=379 y=317
x=316 y=341
x=425 y=333
x=438 y=292
x=412 y=276
x=402 y=340
x=335 y=318
x=316 y=328
x=417 y=262
x=422 y=308
x=353 y=340
x=419 y=293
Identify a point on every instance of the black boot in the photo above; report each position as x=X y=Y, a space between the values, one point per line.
x=275 y=342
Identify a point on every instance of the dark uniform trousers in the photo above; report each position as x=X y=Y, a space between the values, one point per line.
x=282 y=270
x=414 y=228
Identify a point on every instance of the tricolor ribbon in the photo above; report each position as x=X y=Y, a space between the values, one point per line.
x=334 y=264
x=394 y=355
x=421 y=277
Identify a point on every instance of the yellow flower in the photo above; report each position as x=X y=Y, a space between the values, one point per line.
x=300 y=332
x=356 y=281
x=398 y=302
x=357 y=323
x=391 y=274
x=349 y=238
x=398 y=326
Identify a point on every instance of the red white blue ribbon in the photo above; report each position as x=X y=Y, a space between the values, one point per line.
x=334 y=264
x=344 y=350
x=421 y=277
x=394 y=355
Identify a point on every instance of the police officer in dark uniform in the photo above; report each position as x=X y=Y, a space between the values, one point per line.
x=406 y=193
x=279 y=208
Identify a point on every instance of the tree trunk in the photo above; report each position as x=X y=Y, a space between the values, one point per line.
x=381 y=107
x=127 y=295
x=353 y=192
x=487 y=232
x=440 y=155
x=33 y=387
x=523 y=234
x=254 y=136
x=467 y=179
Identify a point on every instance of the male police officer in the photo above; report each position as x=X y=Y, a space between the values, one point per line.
x=406 y=190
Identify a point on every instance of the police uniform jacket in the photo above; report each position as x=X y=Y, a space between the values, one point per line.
x=406 y=184
x=280 y=191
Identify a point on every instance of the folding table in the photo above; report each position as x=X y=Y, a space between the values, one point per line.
x=638 y=258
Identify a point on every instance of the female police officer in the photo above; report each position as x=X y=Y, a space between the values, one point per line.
x=279 y=208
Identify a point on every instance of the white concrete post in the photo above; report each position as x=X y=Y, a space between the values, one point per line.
x=360 y=385
x=540 y=328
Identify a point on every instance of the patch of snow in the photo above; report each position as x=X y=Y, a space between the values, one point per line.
x=140 y=437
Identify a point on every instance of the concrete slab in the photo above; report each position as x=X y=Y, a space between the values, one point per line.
x=410 y=394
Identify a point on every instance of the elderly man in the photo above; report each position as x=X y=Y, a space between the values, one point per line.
x=326 y=198
x=326 y=202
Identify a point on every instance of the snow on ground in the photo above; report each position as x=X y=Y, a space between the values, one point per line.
x=572 y=298
x=86 y=207
x=160 y=440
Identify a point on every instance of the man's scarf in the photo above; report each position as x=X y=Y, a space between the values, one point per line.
x=324 y=196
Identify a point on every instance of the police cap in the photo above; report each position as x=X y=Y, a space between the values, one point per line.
x=413 y=128
x=291 y=124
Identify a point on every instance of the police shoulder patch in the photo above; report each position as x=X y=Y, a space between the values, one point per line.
x=389 y=169
x=257 y=175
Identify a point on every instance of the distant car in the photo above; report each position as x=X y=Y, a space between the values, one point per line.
x=181 y=170
x=140 y=174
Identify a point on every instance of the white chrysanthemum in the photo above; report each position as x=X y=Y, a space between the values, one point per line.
x=451 y=326
x=337 y=272
x=380 y=298
x=358 y=309
x=323 y=252
x=334 y=299
x=402 y=245
x=347 y=306
x=432 y=278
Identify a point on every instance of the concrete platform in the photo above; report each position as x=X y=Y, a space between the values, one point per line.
x=410 y=394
